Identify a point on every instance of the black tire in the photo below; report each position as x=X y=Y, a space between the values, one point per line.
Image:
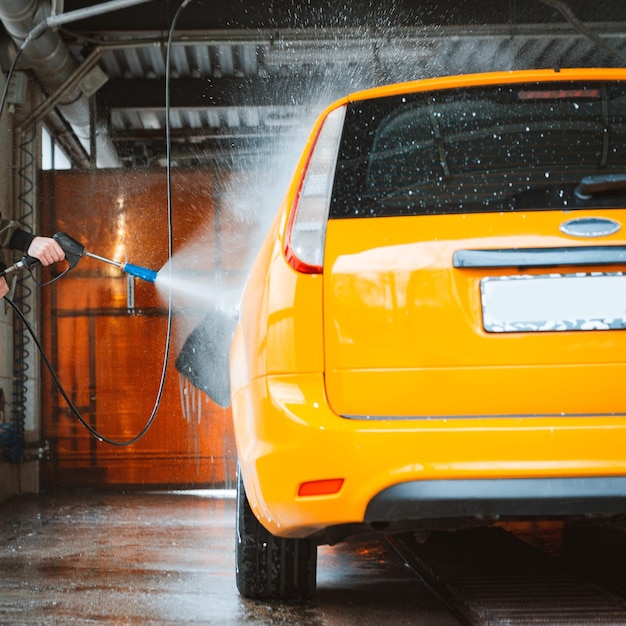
x=270 y=567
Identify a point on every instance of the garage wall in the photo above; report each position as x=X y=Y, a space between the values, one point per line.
x=106 y=333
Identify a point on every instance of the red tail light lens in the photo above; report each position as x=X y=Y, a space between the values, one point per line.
x=326 y=487
x=304 y=247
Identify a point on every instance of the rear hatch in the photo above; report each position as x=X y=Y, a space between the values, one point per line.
x=474 y=254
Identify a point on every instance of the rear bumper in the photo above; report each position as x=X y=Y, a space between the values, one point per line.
x=287 y=435
x=437 y=499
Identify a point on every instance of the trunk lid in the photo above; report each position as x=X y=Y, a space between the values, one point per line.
x=408 y=334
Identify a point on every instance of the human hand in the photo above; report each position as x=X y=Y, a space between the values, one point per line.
x=4 y=287
x=46 y=250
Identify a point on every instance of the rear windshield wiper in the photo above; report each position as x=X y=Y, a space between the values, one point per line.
x=599 y=183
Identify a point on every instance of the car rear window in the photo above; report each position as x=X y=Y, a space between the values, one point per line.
x=489 y=149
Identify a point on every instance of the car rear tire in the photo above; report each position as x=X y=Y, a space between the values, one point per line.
x=270 y=566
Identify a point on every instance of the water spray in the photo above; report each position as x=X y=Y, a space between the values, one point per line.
x=74 y=251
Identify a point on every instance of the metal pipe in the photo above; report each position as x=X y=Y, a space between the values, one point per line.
x=79 y=14
x=26 y=22
x=104 y=259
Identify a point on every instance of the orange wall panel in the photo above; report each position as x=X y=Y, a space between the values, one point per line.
x=109 y=356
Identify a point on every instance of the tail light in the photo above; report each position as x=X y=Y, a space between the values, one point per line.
x=304 y=244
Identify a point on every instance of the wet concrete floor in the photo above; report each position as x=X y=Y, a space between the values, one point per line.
x=168 y=558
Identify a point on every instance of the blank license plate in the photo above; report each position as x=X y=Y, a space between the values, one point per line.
x=554 y=302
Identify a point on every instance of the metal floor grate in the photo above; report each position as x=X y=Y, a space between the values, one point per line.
x=489 y=576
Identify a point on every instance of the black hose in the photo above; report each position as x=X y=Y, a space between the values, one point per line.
x=70 y=404
x=21 y=316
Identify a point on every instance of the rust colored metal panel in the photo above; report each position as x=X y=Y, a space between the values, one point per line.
x=106 y=332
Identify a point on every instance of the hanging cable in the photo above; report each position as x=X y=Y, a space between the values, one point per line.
x=170 y=245
x=23 y=319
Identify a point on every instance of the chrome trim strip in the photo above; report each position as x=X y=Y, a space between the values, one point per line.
x=540 y=257
x=407 y=418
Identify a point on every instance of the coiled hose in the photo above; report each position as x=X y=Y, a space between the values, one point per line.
x=12 y=432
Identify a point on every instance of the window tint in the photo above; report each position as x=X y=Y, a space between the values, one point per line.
x=516 y=147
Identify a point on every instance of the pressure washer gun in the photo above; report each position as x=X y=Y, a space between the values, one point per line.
x=74 y=250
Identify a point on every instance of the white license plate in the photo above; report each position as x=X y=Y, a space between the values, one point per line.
x=554 y=302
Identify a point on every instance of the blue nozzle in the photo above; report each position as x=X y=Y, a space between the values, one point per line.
x=140 y=272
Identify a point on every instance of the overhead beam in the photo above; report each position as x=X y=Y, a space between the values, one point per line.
x=196 y=93
x=313 y=14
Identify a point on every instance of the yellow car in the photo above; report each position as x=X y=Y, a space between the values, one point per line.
x=433 y=332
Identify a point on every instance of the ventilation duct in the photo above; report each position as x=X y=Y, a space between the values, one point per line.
x=49 y=59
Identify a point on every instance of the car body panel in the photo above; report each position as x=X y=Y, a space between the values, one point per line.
x=400 y=318
x=301 y=439
x=488 y=78
x=283 y=329
x=341 y=375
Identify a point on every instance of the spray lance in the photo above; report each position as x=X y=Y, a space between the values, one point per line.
x=73 y=253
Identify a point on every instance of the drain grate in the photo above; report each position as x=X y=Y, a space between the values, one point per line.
x=490 y=577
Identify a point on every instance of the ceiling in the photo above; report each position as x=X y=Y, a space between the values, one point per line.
x=246 y=72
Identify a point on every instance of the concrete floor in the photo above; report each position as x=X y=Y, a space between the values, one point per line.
x=146 y=558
